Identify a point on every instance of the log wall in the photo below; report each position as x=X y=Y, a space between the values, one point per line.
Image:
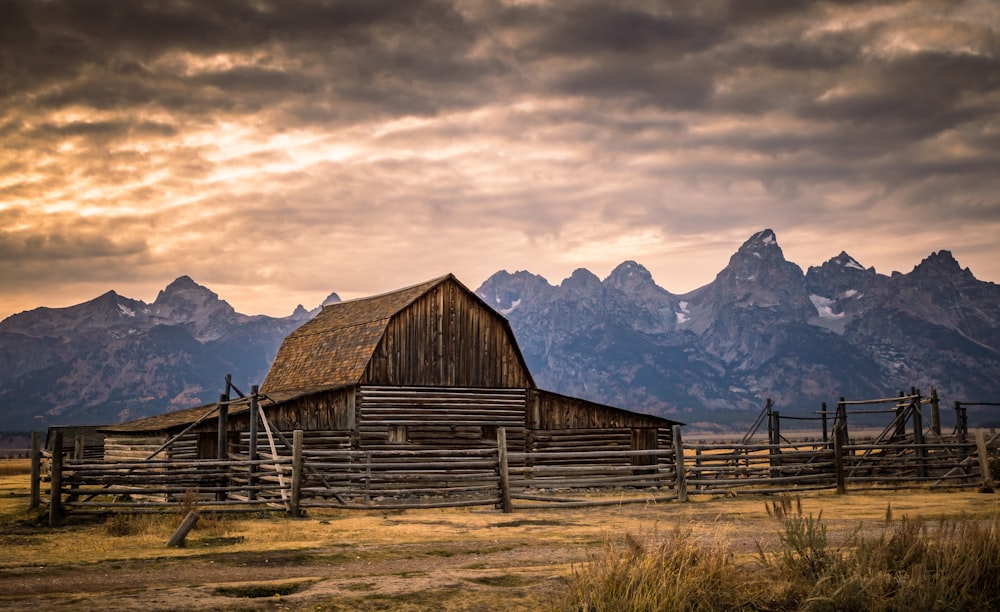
x=396 y=417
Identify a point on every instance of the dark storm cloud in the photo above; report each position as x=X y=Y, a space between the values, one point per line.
x=103 y=129
x=586 y=29
x=64 y=246
x=567 y=132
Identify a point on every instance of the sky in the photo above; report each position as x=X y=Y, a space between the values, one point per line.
x=279 y=150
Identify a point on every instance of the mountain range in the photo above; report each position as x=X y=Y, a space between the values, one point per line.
x=761 y=329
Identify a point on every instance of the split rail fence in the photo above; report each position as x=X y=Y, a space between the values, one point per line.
x=293 y=477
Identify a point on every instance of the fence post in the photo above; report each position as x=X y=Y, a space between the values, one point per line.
x=252 y=450
x=826 y=436
x=368 y=476
x=900 y=418
x=186 y=526
x=296 y=473
x=775 y=451
x=504 y=468
x=984 y=462
x=682 y=489
x=918 y=435
x=935 y=412
x=697 y=465
x=55 y=484
x=961 y=423
x=839 y=435
x=78 y=445
x=223 y=441
x=36 y=469
x=841 y=418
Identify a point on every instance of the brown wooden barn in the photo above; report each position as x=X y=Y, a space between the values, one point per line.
x=428 y=366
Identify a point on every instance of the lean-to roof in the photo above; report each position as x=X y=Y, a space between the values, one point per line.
x=186 y=416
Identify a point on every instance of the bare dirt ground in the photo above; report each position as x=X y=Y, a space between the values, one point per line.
x=454 y=559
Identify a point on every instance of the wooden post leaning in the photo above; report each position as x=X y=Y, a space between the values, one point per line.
x=505 y=503
x=36 y=469
x=55 y=483
x=682 y=491
x=186 y=526
x=294 y=502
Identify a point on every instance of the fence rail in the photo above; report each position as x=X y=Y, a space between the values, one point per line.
x=293 y=478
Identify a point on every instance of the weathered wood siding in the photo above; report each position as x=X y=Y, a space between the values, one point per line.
x=325 y=410
x=558 y=424
x=395 y=417
x=137 y=446
x=447 y=338
x=93 y=440
x=318 y=440
x=554 y=411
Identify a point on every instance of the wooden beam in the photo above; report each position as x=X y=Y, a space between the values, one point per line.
x=505 y=501
x=682 y=494
x=293 y=504
x=839 y=436
x=984 y=462
x=252 y=452
x=186 y=526
x=55 y=483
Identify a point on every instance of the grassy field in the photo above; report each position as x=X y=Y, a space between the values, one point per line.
x=768 y=550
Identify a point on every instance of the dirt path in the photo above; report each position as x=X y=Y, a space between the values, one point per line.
x=324 y=578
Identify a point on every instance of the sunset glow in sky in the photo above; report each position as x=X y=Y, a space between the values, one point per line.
x=276 y=151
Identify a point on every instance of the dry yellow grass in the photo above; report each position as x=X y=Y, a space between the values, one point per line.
x=450 y=559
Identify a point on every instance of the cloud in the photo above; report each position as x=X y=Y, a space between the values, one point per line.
x=282 y=148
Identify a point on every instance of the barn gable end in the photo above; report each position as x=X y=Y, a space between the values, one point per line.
x=438 y=333
x=448 y=338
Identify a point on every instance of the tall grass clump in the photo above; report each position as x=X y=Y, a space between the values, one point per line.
x=675 y=573
x=952 y=564
x=898 y=564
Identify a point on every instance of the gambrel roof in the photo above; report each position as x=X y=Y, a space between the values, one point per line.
x=337 y=345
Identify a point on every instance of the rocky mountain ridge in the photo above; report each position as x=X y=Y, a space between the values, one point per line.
x=761 y=329
x=114 y=358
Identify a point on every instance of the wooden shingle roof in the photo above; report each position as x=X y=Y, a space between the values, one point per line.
x=334 y=348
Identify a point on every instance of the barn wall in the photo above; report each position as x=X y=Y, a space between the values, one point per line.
x=398 y=418
x=132 y=446
x=554 y=411
x=326 y=410
x=447 y=338
x=557 y=423
x=93 y=440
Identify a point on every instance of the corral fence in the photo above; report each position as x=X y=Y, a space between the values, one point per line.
x=910 y=451
x=295 y=476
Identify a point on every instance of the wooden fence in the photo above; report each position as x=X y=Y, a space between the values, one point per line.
x=304 y=478
x=293 y=477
